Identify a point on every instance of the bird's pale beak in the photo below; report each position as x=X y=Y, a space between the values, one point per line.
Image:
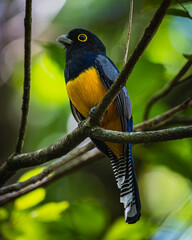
x=64 y=39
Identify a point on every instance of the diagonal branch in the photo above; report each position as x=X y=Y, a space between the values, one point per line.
x=168 y=88
x=129 y=31
x=27 y=76
x=48 y=170
x=128 y=68
x=69 y=163
x=67 y=168
x=38 y=157
x=178 y=120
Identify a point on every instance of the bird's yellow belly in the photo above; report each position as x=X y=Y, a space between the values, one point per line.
x=85 y=92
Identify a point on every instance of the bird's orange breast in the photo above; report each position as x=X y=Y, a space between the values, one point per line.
x=85 y=92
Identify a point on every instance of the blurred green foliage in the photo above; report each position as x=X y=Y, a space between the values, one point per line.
x=85 y=204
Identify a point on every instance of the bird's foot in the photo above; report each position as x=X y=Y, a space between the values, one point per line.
x=80 y=124
x=92 y=112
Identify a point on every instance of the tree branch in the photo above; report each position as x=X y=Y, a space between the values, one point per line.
x=27 y=76
x=69 y=163
x=163 y=118
x=48 y=170
x=147 y=125
x=67 y=168
x=140 y=137
x=38 y=157
x=128 y=68
x=167 y=89
x=179 y=120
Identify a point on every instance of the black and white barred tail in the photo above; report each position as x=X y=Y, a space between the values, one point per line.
x=123 y=169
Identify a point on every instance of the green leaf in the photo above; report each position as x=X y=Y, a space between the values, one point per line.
x=3 y=214
x=50 y=211
x=89 y=218
x=188 y=56
x=178 y=12
x=157 y=3
x=21 y=226
x=30 y=174
x=31 y=199
x=48 y=81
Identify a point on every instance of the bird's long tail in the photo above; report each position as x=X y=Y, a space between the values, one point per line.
x=123 y=169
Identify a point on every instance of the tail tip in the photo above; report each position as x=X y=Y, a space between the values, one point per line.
x=134 y=219
x=132 y=215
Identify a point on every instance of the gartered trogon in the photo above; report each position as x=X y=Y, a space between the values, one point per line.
x=89 y=73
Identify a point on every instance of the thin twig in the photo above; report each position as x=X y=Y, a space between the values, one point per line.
x=167 y=88
x=129 y=31
x=128 y=68
x=163 y=118
x=27 y=76
x=189 y=78
x=67 y=168
x=177 y=120
x=188 y=13
x=48 y=170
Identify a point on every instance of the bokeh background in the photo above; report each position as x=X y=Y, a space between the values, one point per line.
x=85 y=204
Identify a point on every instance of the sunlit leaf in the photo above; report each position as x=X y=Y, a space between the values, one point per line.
x=22 y=227
x=156 y=3
x=30 y=199
x=178 y=13
x=3 y=214
x=50 y=211
x=30 y=174
x=166 y=47
x=48 y=81
x=188 y=56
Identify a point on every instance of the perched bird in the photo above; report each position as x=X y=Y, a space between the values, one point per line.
x=89 y=73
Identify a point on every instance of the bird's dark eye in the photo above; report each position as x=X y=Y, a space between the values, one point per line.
x=82 y=37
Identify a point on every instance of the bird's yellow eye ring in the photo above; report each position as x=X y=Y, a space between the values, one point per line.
x=82 y=37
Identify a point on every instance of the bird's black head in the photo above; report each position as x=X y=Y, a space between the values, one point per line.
x=80 y=39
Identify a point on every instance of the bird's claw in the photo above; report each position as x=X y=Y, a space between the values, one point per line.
x=92 y=112
x=80 y=123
